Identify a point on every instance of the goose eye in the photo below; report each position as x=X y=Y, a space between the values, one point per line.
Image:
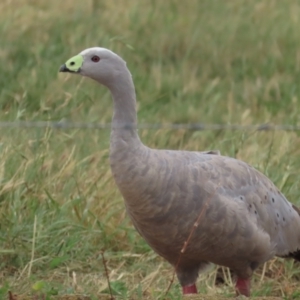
x=95 y=58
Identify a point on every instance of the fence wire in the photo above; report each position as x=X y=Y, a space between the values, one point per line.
x=63 y=125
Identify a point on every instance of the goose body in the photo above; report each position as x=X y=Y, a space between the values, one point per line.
x=238 y=216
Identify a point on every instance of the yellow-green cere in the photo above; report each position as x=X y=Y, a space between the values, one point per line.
x=75 y=63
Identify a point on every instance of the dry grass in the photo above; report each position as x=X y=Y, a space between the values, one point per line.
x=197 y=61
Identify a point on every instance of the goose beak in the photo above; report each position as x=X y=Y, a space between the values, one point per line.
x=64 y=68
x=73 y=65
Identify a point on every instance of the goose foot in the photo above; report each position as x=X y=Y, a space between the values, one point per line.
x=242 y=287
x=189 y=289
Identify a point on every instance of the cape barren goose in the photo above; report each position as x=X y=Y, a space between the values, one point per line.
x=245 y=220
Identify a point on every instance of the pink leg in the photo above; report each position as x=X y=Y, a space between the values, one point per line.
x=242 y=287
x=189 y=289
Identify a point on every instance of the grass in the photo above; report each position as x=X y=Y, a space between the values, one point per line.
x=231 y=62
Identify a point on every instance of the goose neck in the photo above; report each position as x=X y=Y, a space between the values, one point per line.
x=124 y=121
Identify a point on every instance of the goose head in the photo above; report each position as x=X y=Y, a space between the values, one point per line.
x=97 y=63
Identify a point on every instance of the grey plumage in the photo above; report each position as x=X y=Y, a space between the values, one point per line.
x=247 y=220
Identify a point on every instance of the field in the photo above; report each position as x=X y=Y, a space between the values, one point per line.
x=208 y=61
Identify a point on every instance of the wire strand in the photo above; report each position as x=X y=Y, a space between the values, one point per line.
x=63 y=125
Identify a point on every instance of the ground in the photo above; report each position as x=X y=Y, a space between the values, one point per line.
x=107 y=297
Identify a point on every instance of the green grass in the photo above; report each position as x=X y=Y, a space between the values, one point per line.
x=231 y=62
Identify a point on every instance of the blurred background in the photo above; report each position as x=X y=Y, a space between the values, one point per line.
x=208 y=61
